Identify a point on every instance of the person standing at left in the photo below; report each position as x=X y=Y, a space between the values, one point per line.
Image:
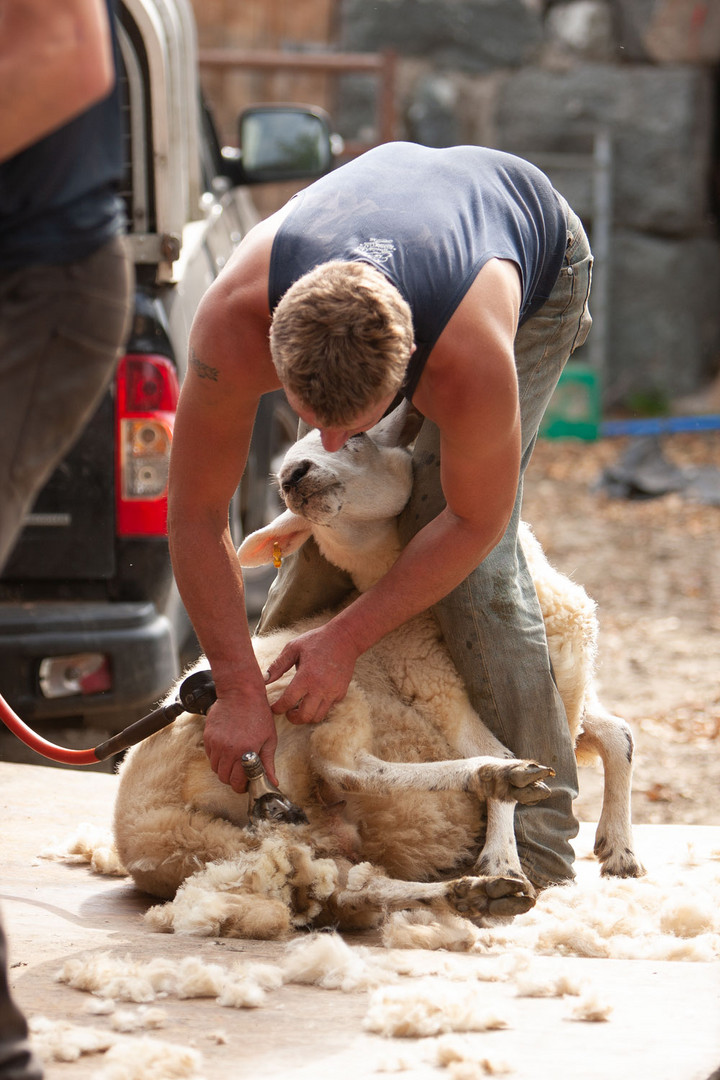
x=66 y=282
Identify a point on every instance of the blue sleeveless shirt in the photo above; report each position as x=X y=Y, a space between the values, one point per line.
x=58 y=197
x=428 y=219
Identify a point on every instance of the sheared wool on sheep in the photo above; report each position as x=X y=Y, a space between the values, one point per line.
x=667 y=915
x=204 y=912
x=254 y=895
x=395 y=780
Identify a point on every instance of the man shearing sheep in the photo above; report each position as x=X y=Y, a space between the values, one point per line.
x=458 y=278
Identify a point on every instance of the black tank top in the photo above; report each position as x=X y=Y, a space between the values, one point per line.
x=58 y=198
x=429 y=220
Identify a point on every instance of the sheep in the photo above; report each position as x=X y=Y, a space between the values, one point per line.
x=395 y=782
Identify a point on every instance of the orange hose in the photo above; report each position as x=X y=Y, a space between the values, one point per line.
x=40 y=745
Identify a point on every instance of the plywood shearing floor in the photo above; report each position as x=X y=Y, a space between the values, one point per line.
x=516 y=1001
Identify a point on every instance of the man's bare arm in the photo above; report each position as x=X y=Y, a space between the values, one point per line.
x=229 y=368
x=55 y=61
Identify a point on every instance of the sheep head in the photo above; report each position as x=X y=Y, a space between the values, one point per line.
x=347 y=499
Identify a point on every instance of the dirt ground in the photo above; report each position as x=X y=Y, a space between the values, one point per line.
x=653 y=566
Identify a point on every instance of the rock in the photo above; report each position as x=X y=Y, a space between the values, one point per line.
x=659 y=119
x=663 y=327
x=669 y=31
x=432 y=114
x=583 y=28
x=466 y=35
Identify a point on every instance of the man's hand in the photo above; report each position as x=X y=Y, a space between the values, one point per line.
x=325 y=660
x=233 y=727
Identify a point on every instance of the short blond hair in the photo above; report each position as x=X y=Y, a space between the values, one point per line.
x=340 y=339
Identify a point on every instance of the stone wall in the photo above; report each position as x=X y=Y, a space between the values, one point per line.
x=542 y=80
x=546 y=80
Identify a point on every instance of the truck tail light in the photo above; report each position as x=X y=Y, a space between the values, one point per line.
x=146 y=399
x=79 y=673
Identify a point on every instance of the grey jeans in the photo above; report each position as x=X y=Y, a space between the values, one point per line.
x=492 y=621
x=61 y=329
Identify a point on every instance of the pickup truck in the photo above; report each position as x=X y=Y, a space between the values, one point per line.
x=92 y=630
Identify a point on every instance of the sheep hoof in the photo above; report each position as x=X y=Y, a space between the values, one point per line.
x=520 y=781
x=525 y=773
x=626 y=868
x=617 y=860
x=511 y=905
x=535 y=793
x=501 y=895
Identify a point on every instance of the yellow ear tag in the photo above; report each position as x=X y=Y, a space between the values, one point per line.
x=277 y=555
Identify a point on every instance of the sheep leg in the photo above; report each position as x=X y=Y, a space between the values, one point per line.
x=508 y=780
x=502 y=782
x=472 y=896
x=470 y=738
x=610 y=737
x=499 y=856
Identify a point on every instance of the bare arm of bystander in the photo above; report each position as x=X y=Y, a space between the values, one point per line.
x=55 y=61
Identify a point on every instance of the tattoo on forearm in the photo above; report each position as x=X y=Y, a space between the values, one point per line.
x=203 y=371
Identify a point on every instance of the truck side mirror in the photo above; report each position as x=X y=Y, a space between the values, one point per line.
x=284 y=142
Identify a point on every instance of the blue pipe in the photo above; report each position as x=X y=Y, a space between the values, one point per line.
x=659 y=425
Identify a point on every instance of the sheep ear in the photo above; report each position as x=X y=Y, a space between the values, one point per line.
x=289 y=532
x=399 y=427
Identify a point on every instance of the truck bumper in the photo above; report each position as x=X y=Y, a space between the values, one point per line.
x=137 y=641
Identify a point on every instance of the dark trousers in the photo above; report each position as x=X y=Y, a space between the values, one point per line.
x=61 y=330
x=16 y=1059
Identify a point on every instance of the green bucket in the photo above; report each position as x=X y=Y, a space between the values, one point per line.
x=575 y=409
